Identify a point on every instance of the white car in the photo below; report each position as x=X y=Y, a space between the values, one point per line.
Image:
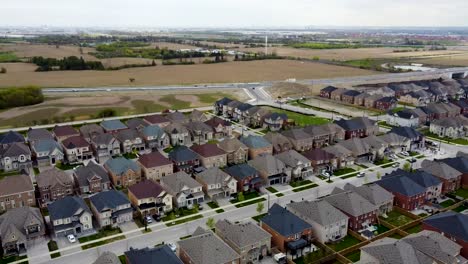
x=148 y=219
x=404 y=153
x=172 y=246
x=396 y=165
x=71 y=238
x=361 y=174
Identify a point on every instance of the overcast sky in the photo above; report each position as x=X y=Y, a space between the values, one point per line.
x=238 y=13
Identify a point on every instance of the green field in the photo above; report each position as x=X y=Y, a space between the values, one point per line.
x=315 y=45
x=301 y=119
x=347 y=242
x=8 y=57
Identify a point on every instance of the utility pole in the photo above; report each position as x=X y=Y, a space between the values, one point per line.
x=266 y=45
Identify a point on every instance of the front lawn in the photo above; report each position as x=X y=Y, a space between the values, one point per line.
x=178 y=222
x=63 y=166
x=396 y=236
x=180 y=212
x=258 y=217
x=6 y=260
x=383 y=163
x=347 y=242
x=300 y=186
x=214 y=205
x=414 y=229
x=343 y=171
x=299 y=183
x=246 y=199
x=460 y=141
x=272 y=190
x=462 y=193
x=447 y=203
x=396 y=219
x=130 y=155
x=105 y=232
x=381 y=229
x=52 y=245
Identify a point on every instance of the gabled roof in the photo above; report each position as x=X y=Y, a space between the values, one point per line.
x=52 y=177
x=146 y=189
x=175 y=128
x=39 y=134
x=109 y=200
x=323 y=130
x=452 y=223
x=317 y=211
x=454 y=122
x=158 y=255
x=182 y=153
x=136 y=123
x=351 y=93
x=338 y=150
x=207 y=150
x=153 y=159
x=103 y=139
x=440 y=169
x=231 y=145
x=111 y=125
x=67 y=207
x=407 y=132
x=14 y=149
x=196 y=126
x=62 y=131
x=242 y=234
x=277 y=116
x=284 y=222
x=15 y=184
x=401 y=184
x=153 y=131
x=277 y=140
x=176 y=182
x=11 y=137
x=107 y=258
x=46 y=145
x=255 y=142
x=197 y=115
x=75 y=142
x=120 y=165
x=374 y=193
x=127 y=134
x=292 y=158
x=387 y=99
x=223 y=101
x=156 y=119
x=85 y=173
x=177 y=117
x=458 y=163
x=91 y=130
x=268 y=164
x=14 y=222
x=329 y=89
x=297 y=134
x=244 y=107
x=350 y=202
x=216 y=121
x=213 y=175
x=318 y=154
x=241 y=171
x=355 y=123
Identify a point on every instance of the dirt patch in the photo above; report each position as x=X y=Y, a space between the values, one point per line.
x=286 y=89
x=18 y=67
x=193 y=99
x=87 y=101
x=116 y=62
x=49 y=51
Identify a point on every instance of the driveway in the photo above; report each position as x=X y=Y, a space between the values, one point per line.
x=38 y=247
x=62 y=242
x=129 y=226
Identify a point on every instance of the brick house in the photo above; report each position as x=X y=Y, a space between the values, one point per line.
x=159 y=120
x=386 y=103
x=300 y=140
x=216 y=183
x=113 y=126
x=54 y=184
x=149 y=198
x=16 y=191
x=321 y=160
x=460 y=164
x=337 y=94
x=279 y=142
x=123 y=172
x=63 y=132
x=92 y=178
x=247 y=177
x=257 y=146
x=210 y=155
x=105 y=146
x=111 y=208
x=450 y=177
x=358 y=127
x=236 y=151
x=184 y=159
x=348 y=96
x=326 y=92
x=154 y=166
x=77 y=149
x=221 y=128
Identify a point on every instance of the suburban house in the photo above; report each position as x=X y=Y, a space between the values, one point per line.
x=460 y=164
x=154 y=166
x=375 y=194
x=417 y=140
x=111 y=208
x=216 y=183
x=54 y=184
x=221 y=128
x=123 y=172
x=402 y=118
x=136 y=123
x=257 y=116
x=184 y=159
x=177 y=117
x=113 y=126
x=16 y=191
x=185 y=191
x=15 y=157
x=417 y=98
x=337 y=94
x=361 y=151
x=204 y=247
x=38 y=134
x=70 y=215
x=246 y=176
x=159 y=120
x=358 y=127
x=220 y=106
x=452 y=225
x=300 y=140
x=155 y=138
x=422 y=247
x=241 y=113
x=369 y=102
x=230 y=108
x=455 y=127
x=290 y=234
x=360 y=98
x=362 y=214
x=149 y=198
x=210 y=155
x=63 y=132
x=386 y=103
x=321 y=160
x=236 y=151
x=450 y=177
x=89 y=131
x=257 y=145
x=250 y=241
x=11 y=137
x=197 y=115
x=328 y=223
x=178 y=135
x=326 y=134
x=105 y=146
x=92 y=178
x=275 y=121
x=299 y=165
x=130 y=141
x=159 y=254
x=200 y=133
x=17 y=227
x=344 y=157
x=271 y=169
x=326 y=92
x=349 y=95
x=77 y=149
x=46 y=152
x=279 y=142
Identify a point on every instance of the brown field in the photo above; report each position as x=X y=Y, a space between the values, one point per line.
x=230 y=72
x=349 y=54
x=173 y=46
x=455 y=60
x=48 y=51
x=18 y=67
x=219 y=44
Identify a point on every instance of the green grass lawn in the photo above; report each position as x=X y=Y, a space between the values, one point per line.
x=381 y=229
x=130 y=155
x=301 y=119
x=299 y=183
x=397 y=219
x=447 y=203
x=52 y=245
x=258 y=217
x=178 y=222
x=343 y=171
x=174 y=102
x=272 y=190
x=279 y=194
x=414 y=229
x=13 y=259
x=462 y=193
x=63 y=166
x=347 y=242
x=214 y=205
x=249 y=198
x=6 y=174
x=181 y=212
x=122 y=259
x=101 y=234
x=8 y=57
x=312 y=257
x=306 y=187
x=185 y=237
x=460 y=208
x=354 y=256
x=396 y=236
x=460 y=141
x=383 y=163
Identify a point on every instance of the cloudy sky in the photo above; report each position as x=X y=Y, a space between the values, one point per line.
x=238 y=13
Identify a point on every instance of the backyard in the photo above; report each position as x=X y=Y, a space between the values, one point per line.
x=396 y=219
x=415 y=229
x=347 y=242
x=462 y=193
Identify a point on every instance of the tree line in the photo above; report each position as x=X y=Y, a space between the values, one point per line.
x=71 y=63
x=14 y=97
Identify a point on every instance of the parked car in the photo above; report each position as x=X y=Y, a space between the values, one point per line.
x=404 y=153
x=280 y=258
x=396 y=165
x=148 y=219
x=172 y=246
x=71 y=238
x=361 y=174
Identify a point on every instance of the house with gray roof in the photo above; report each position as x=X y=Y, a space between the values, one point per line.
x=459 y=163
x=149 y=198
x=271 y=169
x=111 y=208
x=39 y=134
x=91 y=178
x=250 y=241
x=18 y=226
x=15 y=157
x=358 y=127
x=290 y=234
x=197 y=115
x=216 y=183
x=105 y=146
x=300 y=140
x=123 y=172
x=186 y=192
x=46 y=152
x=326 y=134
x=220 y=106
x=107 y=258
x=204 y=247
x=184 y=159
x=76 y=149
x=11 y=137
x=450 y=177
x=236 y=151
x=221 y=128
x=360 y=211
x=328 y=223
x=177 y=117
x=455 y=127
x=63 y=132
x=275 y=121
x=344 y=157
x=155 y=138
x=279 y=142
x=54 y=184
x=375 y=194
x=200 y=133
x=405 y=117
x=320 y=160
x=113 y=126
x=156 y=255
x=178 y=135
x=130 y=141
x=136 y=123
x=360 y=149
x=70 y=215
x=89 y=131
x=247 y=177
x=257 y=145
x=299 y=165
